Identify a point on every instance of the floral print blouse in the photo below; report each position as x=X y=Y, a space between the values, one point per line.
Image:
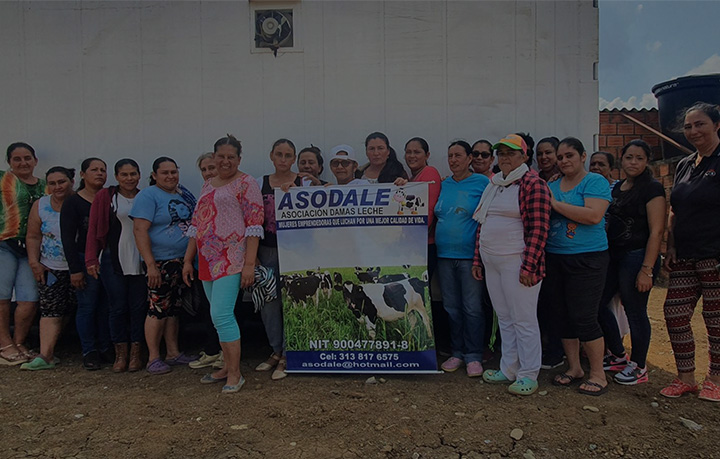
x=224 y=217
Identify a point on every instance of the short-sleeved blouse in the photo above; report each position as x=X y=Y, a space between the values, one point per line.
x=224 y=217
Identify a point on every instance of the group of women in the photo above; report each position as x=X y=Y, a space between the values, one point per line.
x=550 y=248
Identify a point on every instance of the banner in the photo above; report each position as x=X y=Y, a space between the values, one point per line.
x=353 y=265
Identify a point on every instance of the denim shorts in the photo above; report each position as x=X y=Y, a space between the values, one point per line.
x=16 y=273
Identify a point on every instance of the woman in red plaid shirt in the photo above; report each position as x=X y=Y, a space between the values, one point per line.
x=514 y=217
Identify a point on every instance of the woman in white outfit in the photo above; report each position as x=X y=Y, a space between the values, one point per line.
x=514 y=218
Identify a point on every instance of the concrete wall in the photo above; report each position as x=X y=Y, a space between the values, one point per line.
x=144 y=79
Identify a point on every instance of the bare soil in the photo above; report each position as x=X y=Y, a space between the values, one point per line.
x=71 y=412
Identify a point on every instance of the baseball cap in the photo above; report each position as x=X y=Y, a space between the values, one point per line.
x=513 y=141
x=344 y=152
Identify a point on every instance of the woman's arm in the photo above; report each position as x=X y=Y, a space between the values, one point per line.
x=670 y=254
x=591 y=214
x=477 y=260
x=656 y=222
x=248 y=271
x=69 y=222
x=142 y=240
x=188 y=272
x=535 y=210
x=33 y=239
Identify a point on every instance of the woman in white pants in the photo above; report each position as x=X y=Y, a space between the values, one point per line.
x=514 y=217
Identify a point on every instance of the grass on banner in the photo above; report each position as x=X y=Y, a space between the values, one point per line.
x=332 y=320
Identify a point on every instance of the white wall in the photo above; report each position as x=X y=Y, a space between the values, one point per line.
x=142 y=79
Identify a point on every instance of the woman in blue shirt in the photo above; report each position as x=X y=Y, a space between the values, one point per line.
x=455 y=240
x=576 y=264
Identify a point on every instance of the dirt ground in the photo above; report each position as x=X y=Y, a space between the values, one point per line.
x=70 y=412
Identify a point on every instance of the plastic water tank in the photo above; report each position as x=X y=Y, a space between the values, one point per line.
x=675 y=96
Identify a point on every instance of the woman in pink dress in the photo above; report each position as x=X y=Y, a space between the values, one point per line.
x=227 y=226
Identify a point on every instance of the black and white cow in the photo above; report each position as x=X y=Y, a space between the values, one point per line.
x=387 y=278
x=326 y=284
x=301 y=289
x=368 y=275
x=390 y=302
x=409 y=201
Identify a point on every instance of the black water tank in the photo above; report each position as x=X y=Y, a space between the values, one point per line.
x=676 y=95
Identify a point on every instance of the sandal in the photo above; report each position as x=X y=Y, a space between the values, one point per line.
x=15 y=358
x=572 y=380
x=279 y=372
x=29 y=353
x=594 y=393
x=158 y=367
x=523 y=386
x=269 y=364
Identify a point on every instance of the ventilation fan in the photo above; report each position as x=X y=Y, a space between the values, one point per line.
x=274 y=29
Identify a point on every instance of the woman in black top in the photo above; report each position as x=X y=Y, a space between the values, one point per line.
x=92 y=312
x=383 y=165
x=693 y=252
x=282 y=156
x=635 y=225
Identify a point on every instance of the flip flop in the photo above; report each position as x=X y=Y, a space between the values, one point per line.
x=572 y=380
x=595 y=393
x=158 y=367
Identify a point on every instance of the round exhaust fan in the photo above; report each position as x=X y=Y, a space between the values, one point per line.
x=273 y=29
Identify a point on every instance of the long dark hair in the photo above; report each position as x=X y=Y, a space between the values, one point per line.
x=393 y=168
x=156 y=166
x=84 y=166
x=646 y=176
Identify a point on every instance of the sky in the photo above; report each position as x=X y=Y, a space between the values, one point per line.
x=643 y=43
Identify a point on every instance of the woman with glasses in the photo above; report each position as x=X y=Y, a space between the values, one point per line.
x=343 y=165
x=482 y=153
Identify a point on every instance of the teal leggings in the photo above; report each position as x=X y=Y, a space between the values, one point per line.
x=222 y=294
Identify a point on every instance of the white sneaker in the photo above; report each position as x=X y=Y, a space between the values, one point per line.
x=204 y=360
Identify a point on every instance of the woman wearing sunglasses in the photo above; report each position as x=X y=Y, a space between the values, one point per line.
x=482 y=153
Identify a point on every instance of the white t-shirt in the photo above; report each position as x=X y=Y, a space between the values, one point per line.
x=127 y=250
x=502 y=232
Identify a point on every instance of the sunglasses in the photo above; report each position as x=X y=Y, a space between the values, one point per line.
x=342 y=162
x=484 y=154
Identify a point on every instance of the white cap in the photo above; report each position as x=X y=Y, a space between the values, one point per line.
x=343 y=152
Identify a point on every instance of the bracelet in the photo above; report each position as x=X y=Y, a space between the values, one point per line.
x=650 y=275
x=648 y=267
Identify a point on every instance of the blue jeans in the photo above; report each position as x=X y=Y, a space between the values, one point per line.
x=128 y=302
x=622 y=272
x=92 y=316
x=462 y=299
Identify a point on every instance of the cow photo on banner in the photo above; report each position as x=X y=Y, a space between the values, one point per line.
x=353 y=264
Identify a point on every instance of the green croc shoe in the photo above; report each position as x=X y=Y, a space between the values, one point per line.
x=524 y=386
x=495 y=377
x=38 y=363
